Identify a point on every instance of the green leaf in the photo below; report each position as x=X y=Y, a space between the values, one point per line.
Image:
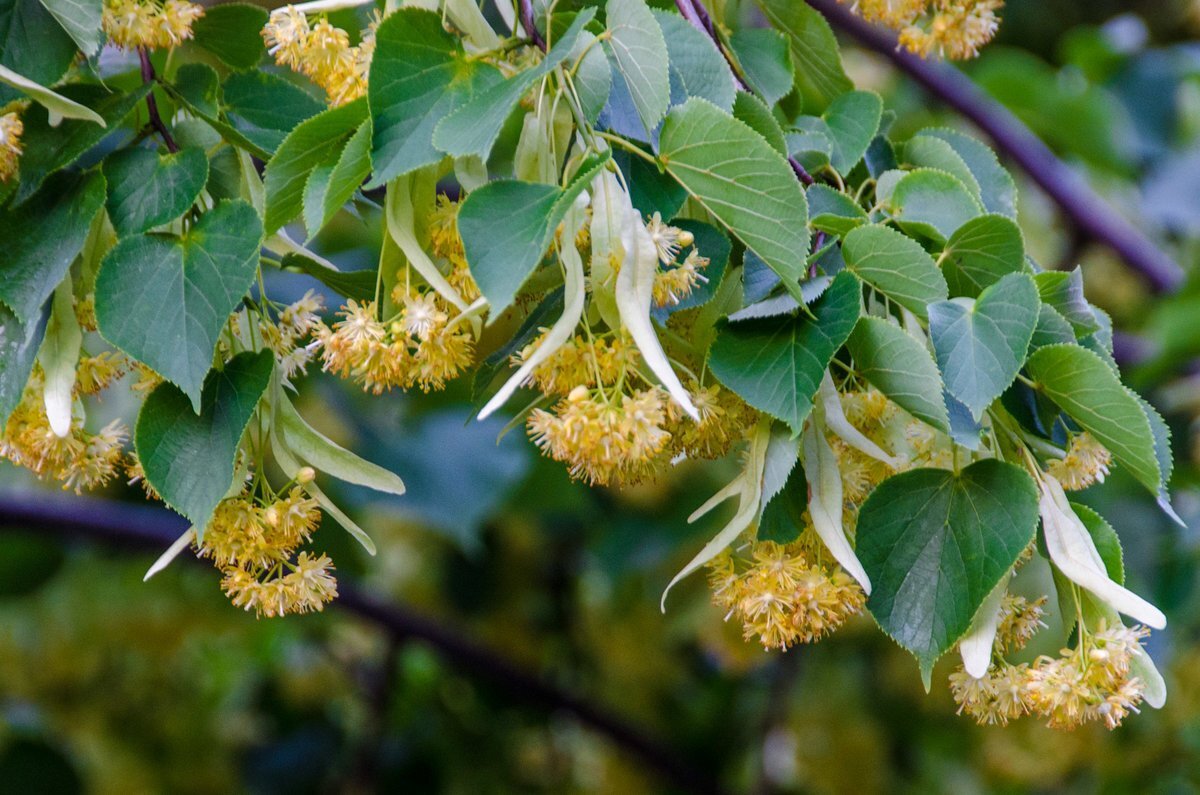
x=926 y=151
x=980 y=253
x=735 y=174
x=639 y=55
x=935 y=544
x=353 y=166
x=1093 y=396
x=507 y=226
x=19 y=343
x=766 y=61
x=593 y=78
x=81 y=20
x=313 y=142
x=815 y=52
x=901 y=368
x=146 y=189
x=1052 y=329
x=895 y=265
x=67 y=108
x=997 y=189
x=231 y=31
x=42 y=237
x=189 y=456
x=776 y=364
x=932 y=203
x=650 y=190
x=981 y=345
x=757 y=116
x=475 y=126
x=32 y=44
x=326 y=456
x=49 y=149
x=1063 y=290
x=853 y=118
x=1108 y=544
x=832 y=211
x=359 y=284
x=164 y=299
x=714 y=246
x=696 y=65
x=782 y=518
x=419 y=75
x=262 y=108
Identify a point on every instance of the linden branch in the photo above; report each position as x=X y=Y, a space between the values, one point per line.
x=1090 y=215
x=152 y=529
x=152 y=104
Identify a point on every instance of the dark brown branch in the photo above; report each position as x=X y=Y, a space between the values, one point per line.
x=1078 y=202
x=149 y=528
x=693 y=11
x=530 y=24
x=152 y=104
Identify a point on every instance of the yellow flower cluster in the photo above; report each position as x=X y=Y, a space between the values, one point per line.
x=81 y=460
x=601 y=440
x=321 y=52
x=253 y=546
x=579 y=362
x=954 y=29
x=289 y=338
x=10 y=145
x=724 y=419
x=445 y=243
x=146 y=23
x=780 y=598
x=1088 y=683
x=421 y=346
x=674 y=281
x=1085 y=463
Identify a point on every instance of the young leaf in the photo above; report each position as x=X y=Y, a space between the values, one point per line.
x=419 y=75
x=926 y=151
x=146 y=189
x=164 y=299
x=776 y=364
x=833 y=211
x=815 y=52
x=901 y=368
x=896 y=265
x=1063 y=290
x=736 y=175
x=853 y=119
x=932 y=203
x=189 y=456
x=980 y=253
x=981 y=345
x=1091 y=394
x=639 y=54
x=997 y=190
x=935 y=544
x=230 y=31
x=765 y=58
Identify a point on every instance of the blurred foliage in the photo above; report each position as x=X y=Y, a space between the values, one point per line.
x=111 y=685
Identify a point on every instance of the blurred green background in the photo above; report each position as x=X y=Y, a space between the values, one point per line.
x=109 y=685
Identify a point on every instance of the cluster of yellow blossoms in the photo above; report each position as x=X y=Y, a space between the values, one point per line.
x=1089 y=683
x=780 y=597
x=321 y=52
x=1086 y=462
x=253 y=543
x=146 y=23
x=674 y=281
x=954 y=29
x=10 y=145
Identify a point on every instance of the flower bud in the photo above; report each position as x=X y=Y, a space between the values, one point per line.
x=306 y=475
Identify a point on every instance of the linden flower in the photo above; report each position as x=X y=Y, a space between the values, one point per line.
x=578 y=362
x=893 y=13
x=421 y=316
x=131 y=24
x=306 y=588
x=674 y=284
x=724 y=419
x=10 y=145
x=957 y=29
x=1020 y=619
x=667 y=240
x=321 y=52
x=1086 y=462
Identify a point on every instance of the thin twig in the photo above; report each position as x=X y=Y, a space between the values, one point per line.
x=530 y=24
x=1078 y=202
x=146 y=527
x=152 y=104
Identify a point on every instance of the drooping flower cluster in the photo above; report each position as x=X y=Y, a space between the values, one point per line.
x=10 y=145
x=253 y=541
x=1091 y=682
x=953 y=29
x=1086 y=462
x=321 y=52
x=290 y=335
x=780 y=597
x=146 y=23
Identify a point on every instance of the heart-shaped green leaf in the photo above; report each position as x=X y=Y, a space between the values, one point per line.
x=901 y=368
x=188 y=456
x=895 y=265
x=163 y=299
x=935 y=544
x=146 y=189
x=980 y=253
x=776 y=363
x=932 y=203
x=981 y=345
